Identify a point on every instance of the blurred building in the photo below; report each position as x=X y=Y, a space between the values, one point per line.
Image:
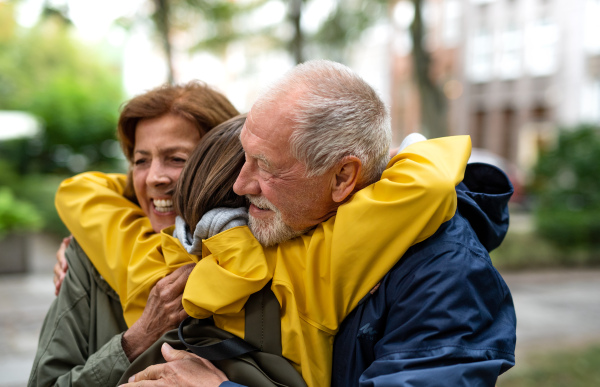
x=513 y=71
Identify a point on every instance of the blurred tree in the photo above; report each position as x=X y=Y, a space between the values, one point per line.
x=567 y=189
x=209 y=23
x=69 y=85
x=17 y=215
x=216 y=24
x=161 y=18
x=296 y=45
x=344 y=26
x=433 y=100
x=7 y=21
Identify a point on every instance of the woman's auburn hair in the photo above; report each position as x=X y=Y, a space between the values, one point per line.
x=195 y=101
x=207 y=179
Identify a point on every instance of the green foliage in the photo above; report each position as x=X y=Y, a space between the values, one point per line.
x=38 y=191
x=567 y=189
x=72 y=87
x=75 y=90
x=572 y=368
x=344 y=26
x=16 y=215
x=220 y=24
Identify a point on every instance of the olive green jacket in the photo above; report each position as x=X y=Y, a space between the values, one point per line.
x=80 y=341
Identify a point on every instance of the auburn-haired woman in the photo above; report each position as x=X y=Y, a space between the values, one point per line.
x=84 y=338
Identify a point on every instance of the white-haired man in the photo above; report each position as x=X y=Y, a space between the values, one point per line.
x=314 y=139
x=308 y=147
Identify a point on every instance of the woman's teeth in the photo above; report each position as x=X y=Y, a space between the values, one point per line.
x=163 y=205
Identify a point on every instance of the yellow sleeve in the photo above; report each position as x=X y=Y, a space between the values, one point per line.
x=115 y=234
x=348 y=254
x=223 y=280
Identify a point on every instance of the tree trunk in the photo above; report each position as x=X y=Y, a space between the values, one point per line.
x=297 y=43
x=433 y=101
x=163 y=27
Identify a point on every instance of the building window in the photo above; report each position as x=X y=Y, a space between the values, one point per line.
x=510 y=54
x=541 y=53
x=540 y=113
x=481 y=56
x=508 y=132
x=592 y=27
x=451 y=27
x=478 y=128
x=590 y=101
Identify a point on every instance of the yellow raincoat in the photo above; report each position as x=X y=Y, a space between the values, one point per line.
x=318 y=278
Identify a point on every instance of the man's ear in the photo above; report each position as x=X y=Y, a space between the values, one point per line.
x=346 y=178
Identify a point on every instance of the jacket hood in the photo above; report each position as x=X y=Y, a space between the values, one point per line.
x=483 y=200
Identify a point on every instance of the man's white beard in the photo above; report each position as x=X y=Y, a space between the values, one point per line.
x=273 y=231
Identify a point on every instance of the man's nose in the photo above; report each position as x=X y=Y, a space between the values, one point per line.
x=157 y=174
x=246 y=183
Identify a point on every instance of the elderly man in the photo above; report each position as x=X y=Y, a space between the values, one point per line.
x=443 y=315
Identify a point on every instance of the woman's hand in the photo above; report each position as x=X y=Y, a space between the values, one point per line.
x=61 y=266
x=162 y=313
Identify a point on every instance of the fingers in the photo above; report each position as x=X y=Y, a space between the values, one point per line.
x=58 y=277
x=57 y=271
x=199 y=365
x=57 y=284
x=60 y=254
x=182 y=314
x=182 y=369
x=179 y=277
x=172 y=285
x=171 y=354
x=182 y=277
x=144 y=383
x=61 y=266
x=154 y=372
x=178 y=314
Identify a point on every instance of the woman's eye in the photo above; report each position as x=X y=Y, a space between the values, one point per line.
x=139 y=161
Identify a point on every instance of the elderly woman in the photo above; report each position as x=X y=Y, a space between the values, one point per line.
x=85 y=339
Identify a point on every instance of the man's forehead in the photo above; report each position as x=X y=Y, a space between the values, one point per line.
x=248 y=123
x=253 y=139
x=268 y=124
x=265 y=137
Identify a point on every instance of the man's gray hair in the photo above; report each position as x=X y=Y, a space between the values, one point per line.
x=334 y=114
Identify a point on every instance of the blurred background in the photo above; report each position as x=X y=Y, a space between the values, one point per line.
x=521 y=77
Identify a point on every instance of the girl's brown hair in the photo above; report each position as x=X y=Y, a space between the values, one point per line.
x=206 y=181
x=195 y=101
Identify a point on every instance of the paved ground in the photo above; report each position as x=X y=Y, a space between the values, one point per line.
x=554 y=309
x=24 y=300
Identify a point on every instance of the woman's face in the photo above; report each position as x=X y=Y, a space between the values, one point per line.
x=162 y=146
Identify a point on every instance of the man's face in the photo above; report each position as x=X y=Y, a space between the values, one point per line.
x=284 y=202
x=162 y=146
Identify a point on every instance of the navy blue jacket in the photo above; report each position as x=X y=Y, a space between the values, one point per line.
x=443 y=316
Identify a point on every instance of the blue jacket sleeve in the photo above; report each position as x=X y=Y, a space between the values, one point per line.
x=450 y=322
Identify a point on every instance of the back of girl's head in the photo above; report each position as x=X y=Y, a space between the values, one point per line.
x=207 y=179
